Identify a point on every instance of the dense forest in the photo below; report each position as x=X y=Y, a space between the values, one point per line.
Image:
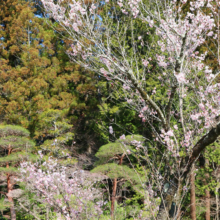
x=109 y=109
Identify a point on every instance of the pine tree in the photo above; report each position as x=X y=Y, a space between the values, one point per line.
x=111 y=163
x=15 y=144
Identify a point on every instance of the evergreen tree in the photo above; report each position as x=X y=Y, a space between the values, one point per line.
x=14 y=145
x=115 y=162
x=36 y=75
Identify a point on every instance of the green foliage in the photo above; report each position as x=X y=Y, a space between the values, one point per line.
x=16 y=157
x=129 y=138
x=31 y=202
x=213 y=153
x=4 y=205
x=13 y=130
x=123 y=212
x=114 y=151
x=53 y=123
x=15 y=142
x=9 y=170
x=16 y=146
x=109 y=150
x=119 y=116
x=37 y=79
x=109 y=156
x=56 y=129
x=113 y=171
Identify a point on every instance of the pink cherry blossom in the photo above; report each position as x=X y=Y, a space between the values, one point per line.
x=175 y=127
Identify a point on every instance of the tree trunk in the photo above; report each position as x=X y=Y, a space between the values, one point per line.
x=114 y=189
x=207 y=194
x=192 y=194
x=10 y=199
x=178 y=200
x=186 y=165
x=9 y=189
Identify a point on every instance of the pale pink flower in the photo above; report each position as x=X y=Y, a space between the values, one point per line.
x=170 y=133
x=111 y=130
x=122 y=137
x=181 y=77
x=145 y=62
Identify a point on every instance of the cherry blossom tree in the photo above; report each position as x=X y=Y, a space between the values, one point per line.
x=70 y=192
x=105 y=40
